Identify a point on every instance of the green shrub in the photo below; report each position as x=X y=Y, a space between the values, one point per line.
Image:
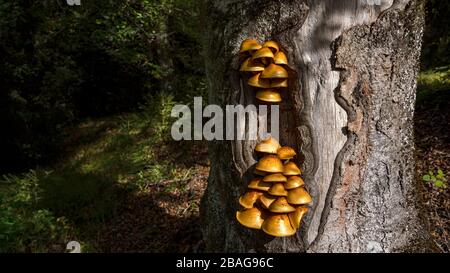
x=437 y=79
x=437 y=180
x=433 y=88
x=24 y=227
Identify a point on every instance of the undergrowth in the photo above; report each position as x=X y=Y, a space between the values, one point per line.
x=43 y=209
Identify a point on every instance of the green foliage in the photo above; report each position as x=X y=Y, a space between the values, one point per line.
x=433 y=89
x=437 y=180
x=155 y=110
x=61 y=63
x=437 y=79
x=128 y=30
x=24 y=226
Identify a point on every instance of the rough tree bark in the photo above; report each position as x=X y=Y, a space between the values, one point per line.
x=348 y=112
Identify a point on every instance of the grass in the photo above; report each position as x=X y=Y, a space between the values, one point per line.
x=105 y=160
x=24 y=225
x=431 y=84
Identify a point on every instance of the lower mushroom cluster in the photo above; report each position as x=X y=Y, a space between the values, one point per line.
x=276 y=200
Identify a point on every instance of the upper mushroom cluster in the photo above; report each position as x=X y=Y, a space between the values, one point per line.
x=265 y=64
x=276 y=200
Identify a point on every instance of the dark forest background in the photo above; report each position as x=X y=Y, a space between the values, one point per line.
x=86 y=92
x=61 y=64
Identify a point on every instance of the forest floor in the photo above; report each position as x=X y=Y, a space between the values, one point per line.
x=157 y=185
x=432 y=140
x=122 y=185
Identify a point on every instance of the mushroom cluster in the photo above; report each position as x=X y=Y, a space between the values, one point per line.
x=276 y=199
x=264 y=64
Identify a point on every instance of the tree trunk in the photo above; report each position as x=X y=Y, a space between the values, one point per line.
x=348 y=112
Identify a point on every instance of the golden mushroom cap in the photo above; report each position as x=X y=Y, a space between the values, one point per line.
x=268 y=95
x=274 y=71
x=258 y=184
x=286 y=153
x=278 y=83
x=249 y=199
x=280 y=58
x=278 y=189
x=249 y=45
x=258 y=172
x=272 y=45
x=270 y=164
x=291 y=168
x=278 y=225
x=299 y=196
x=294 y=182
x=256 y=81
x=296 y=216
x=266 y=200
x=251 y=218
x=250 y=66
x=269 y=145
x=281 y=205
x=263 y=53
x=276 y=177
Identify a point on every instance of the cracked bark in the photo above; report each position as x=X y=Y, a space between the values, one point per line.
x=348 y=112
